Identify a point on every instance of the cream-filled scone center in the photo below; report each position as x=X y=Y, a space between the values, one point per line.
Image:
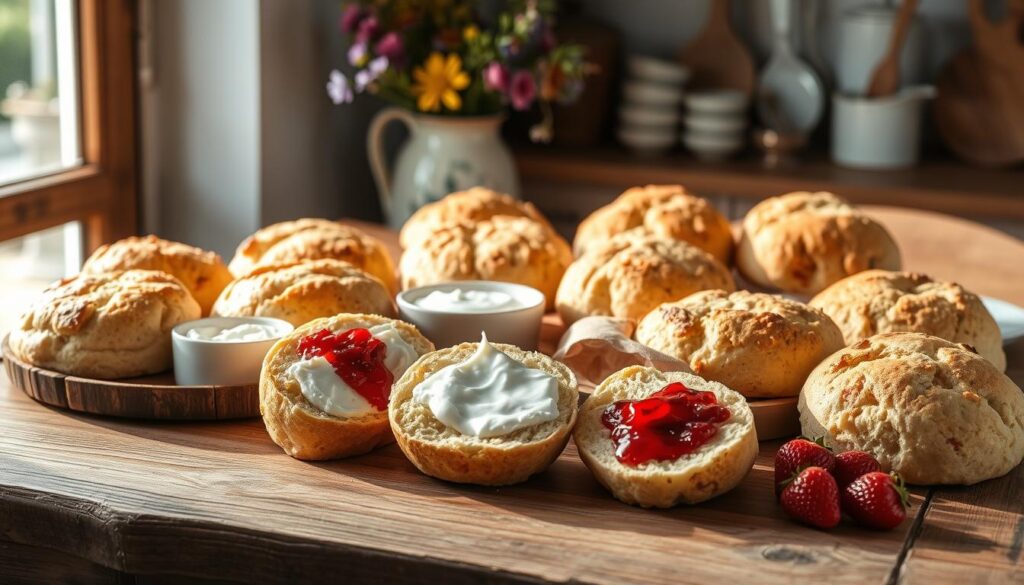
x=489 y=394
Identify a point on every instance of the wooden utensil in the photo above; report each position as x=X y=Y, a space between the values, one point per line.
x=886 y=78
x=979 y=110
x=717 y=58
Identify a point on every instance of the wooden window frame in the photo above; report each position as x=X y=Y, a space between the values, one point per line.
x=102 y=192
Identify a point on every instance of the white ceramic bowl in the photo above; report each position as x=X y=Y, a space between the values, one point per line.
x=199 y=362
x=519 y=325
x=651 y=94
x=647 y=139
x=658 y=70
x=712 y=147
x=637 y=115
x=715 y=123
x=718 y=101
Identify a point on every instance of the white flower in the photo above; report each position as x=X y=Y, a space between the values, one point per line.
x=338 y=88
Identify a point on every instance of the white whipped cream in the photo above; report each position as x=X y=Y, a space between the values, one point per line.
x=243 y=332
x=325 y=389
x=489 y=394
x=466 y=300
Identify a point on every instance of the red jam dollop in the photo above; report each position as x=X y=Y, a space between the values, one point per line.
x=666 y=425
x=358 y=359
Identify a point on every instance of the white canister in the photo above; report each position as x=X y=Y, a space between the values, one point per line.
x=864 y=34
x=878 y=133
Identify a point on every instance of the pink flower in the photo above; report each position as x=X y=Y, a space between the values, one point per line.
x=368 y=28
x=496 y=77
x=373 y=70
x=522 y=90
x=390 y=46
x=338 y=88
x=351 y=17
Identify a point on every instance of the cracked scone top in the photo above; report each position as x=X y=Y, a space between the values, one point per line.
x=668 y=211
x=629 y=274
x=879 y=301
x=930 y=409
x=759 y=345
x=111 y=325
x=803 y=242
x=469 y=206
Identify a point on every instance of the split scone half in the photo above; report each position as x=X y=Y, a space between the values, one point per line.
x=646 y=451
x=482 y=413
x=325 y=387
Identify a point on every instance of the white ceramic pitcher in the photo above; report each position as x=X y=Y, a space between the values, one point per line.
x=442 y=155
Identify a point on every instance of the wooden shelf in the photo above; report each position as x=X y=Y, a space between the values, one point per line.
x=938 y=184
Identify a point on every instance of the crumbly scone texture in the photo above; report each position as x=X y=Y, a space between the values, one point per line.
x=882 y=301
x=758 y=344
x=469 y=206
x=930 y=409
x=110 y=325
x=313 y=239
x=668 y=211
x=301 y=429
x=443 y=452
x=803 y=242
x=715 y=468
x=203 y=273
x=302 y=291
x=630 y=274
x=503 y=248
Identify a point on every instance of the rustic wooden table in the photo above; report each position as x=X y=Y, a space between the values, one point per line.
x=94 y=500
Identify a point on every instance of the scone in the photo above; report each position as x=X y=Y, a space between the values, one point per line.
x=324 y=388
x=758 y=344
x=688 y=454
x=668 y=211
x=879 y=301
x=803 y=242
x=930 y=409
x=482 y=413
x=112 y=325
x=630 y=274
x=303 y=291
x=203 y=273
x=470 y=206
x=503 y=248
x=312 y=239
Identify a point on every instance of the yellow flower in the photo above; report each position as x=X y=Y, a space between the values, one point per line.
x=470 y=33
x=439 y=81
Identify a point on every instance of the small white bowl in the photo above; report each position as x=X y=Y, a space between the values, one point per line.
x=202 y=362
x=647 y=139
x=634 y=115
x=718 y=101
x=658 y=70
x=715 y=123
x=712 y=147
x=651 y=94
x=518 y=325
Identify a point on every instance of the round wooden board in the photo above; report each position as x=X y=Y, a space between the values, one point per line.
x=154 y=397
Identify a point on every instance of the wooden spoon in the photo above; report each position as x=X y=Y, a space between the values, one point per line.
x=886 y=78
x=717 y=58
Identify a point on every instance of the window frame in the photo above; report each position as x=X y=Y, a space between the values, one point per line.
x=102 y=192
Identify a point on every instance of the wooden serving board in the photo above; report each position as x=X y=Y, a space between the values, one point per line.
x=146 y=397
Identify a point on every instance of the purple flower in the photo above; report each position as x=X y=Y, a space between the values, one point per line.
x=368 y=28
x=496 y=77
x=357 y=54
x=351 y=17
x=522 y=90
x=374 y=70
x=390 y=46
x=338 y=88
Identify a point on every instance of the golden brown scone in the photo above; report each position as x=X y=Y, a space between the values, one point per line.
x=668 y=211
x=470 y=206
x=443 y=452
x=303 y=291
x=313 y=239
x=300 y=428
x=502 y=248
x=930 y=409
x=112 y=325
x=880 y=301
x=203 y=273
x=803 y=242
x=713 y=469
x=758 y=344
x=631 y=273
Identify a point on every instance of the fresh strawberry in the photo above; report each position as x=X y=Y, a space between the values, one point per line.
x=877 y=500
x=812 y=498
x=799 y=454
x=852 y=464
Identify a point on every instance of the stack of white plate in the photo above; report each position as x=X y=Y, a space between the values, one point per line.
x=715 y=124
x=651 y=97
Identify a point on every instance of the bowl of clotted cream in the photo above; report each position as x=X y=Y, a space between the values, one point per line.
x=224 y=350
x=457 y=312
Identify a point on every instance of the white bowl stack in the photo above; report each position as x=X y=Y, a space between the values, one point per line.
x=651 y=97
x=715 y=124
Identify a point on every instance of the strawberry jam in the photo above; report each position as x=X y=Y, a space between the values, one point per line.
x=358 y=359
x=666 y=425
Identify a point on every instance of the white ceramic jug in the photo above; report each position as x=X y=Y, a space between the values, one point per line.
x=442 y=155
